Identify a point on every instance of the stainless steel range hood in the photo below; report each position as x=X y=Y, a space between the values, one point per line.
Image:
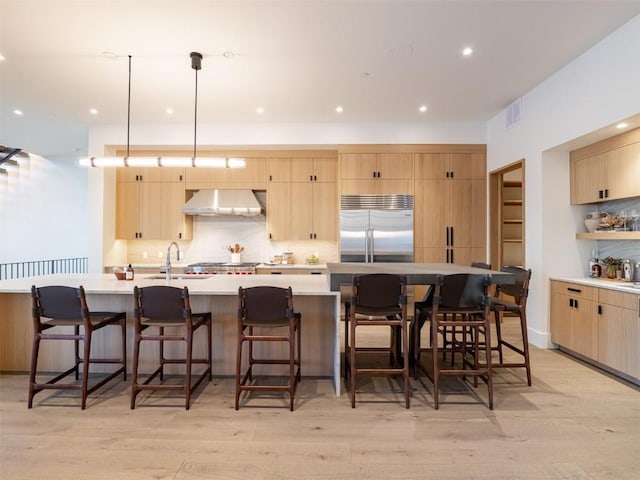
x=223 y=202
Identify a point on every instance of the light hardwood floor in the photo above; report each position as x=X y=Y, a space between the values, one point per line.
x=575 y=422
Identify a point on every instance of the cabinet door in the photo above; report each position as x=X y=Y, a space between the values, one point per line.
x=585 y=328
x=432 y=166
x=619 y=331
x=302 y=210
x=431 y=214
x=127 y=210
x=325 y=169
x=173 y=174
x=587 y=178
x=325 y=211
x=279 y=211
x=151 y=211
x=302 y=170
x=467 y=166
x=561 y=324
x=395 y=166
x=467 y=217
x=175 y=224
x=138 y=174
x=622 y=167
x=279 y=170
x=358 y=165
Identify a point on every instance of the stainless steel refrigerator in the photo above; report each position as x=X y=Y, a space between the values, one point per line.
x=376 y=228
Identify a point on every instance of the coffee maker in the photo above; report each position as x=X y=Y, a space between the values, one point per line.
x=627 y=271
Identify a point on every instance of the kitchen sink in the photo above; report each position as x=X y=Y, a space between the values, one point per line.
x=177 y=277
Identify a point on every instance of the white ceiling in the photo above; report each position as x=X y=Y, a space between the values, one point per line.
x=298 y=60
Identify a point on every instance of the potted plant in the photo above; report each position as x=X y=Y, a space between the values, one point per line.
x=611 y=266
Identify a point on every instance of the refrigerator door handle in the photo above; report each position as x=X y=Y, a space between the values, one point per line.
x=371 y=244
x=366 y=246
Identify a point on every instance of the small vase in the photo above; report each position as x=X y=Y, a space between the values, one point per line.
x=592 y=220
x=611 y=272
x=236 y=258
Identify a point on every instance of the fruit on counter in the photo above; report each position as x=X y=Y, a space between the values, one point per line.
x=312 y=259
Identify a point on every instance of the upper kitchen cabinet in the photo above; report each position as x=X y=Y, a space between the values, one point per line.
x=607 y=170
x=371 y=173
x=279 y=170
x=252 y=176
x=302 y=198
x=151 y=210
x=279 y=211
x=314 y=170
x=314 y=198
x=459 y=166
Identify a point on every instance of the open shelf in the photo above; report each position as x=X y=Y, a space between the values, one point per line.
x=608 y=236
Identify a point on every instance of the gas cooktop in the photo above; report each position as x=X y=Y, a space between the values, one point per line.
x=245 y=268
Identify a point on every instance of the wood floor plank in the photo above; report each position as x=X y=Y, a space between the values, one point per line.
x=574 y=423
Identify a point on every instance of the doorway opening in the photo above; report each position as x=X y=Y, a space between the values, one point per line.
x=506 y=216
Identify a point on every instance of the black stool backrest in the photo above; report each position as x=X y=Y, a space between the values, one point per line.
x=463 y=290
x=265 y=303
x=379 y=290
x=161 y=302
x=520 y=289
x=58 y=302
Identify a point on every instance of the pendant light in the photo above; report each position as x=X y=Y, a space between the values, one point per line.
x=194 y=161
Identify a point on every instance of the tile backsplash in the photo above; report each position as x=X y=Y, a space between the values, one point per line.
x=624 y=248
x=211 y=235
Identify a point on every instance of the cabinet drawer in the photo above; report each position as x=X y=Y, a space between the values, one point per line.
x=619 y=299
x=575 y=290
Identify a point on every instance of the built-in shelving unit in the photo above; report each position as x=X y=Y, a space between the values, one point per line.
x=512 y=220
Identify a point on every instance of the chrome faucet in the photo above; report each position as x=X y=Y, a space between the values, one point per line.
x=168 y=264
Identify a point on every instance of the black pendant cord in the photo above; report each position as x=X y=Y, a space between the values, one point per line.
x=195 y=119
x=129 y=107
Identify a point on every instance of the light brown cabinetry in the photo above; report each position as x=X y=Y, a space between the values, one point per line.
x=149 y=204
x=619 y=331
x=302 y=199
x=573 y=317
x=376 y=173
x=606 y=170
x=600 y=324
x=450 y=211
x=252 y=176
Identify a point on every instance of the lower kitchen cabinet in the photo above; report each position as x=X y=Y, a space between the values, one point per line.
x=619 y=331
x=600 y=324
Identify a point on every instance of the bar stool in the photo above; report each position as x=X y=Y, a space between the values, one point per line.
x=267 y=308
x=465 y=301
x=59 y=306
x=162 y=306
x=378 y=299
x=519 y=291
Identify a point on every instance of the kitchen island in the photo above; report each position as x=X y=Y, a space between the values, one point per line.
x=318 y=305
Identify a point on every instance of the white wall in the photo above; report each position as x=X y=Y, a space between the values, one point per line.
x=43 y=211
x=595 y=91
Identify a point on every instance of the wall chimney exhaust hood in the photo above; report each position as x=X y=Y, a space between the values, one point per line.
x=223 y=202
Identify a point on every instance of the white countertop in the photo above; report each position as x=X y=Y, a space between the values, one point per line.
x=213 y=285
x=618 y=285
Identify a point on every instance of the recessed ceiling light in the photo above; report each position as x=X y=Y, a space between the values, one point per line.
x=93 y=111
x=467 y=51
x=622 y=125
x=423 y=108
x=259 y=110
x=1 y=57
x=109 y=55
x=339 y=109
x=17 y=112
x=365 y=74
x=228 y=54
x=169 y=111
